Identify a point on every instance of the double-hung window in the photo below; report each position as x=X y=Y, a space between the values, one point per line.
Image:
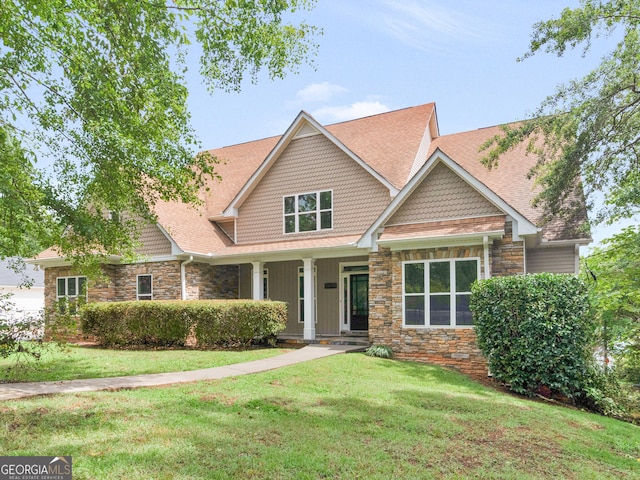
x=308 y=212
x=144 y=287
x=436 y=293
x=70 y=292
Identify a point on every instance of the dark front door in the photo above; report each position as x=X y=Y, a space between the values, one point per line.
x=359 y=301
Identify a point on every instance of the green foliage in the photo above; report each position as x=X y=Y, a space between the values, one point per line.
x=535 y=330
x=169 y=323
x=97 y=89
x=136 y=323
x=614 y=274
x=238 y=323
x=21 y=338
x=586 y=133
x=380 y=351
x=603 y=393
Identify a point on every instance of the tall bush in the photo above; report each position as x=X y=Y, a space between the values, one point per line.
x=536 y=331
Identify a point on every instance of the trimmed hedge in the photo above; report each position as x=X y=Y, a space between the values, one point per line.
x=535 y=330
x=238 y=323
x=169 y=323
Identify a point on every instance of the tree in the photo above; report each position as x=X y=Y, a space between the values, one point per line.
x=591 y=126
x=97 y=89
x=614 y=269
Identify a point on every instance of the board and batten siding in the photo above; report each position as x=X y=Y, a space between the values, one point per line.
x=551 y=260
x=283 y=286
x=443 y=195
x=312 y=164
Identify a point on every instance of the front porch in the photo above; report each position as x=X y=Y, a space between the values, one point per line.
x=360 y=339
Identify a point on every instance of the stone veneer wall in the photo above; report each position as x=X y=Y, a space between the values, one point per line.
x=450 y=347
x=119 y=281
x=507 y=256
x=206 y=282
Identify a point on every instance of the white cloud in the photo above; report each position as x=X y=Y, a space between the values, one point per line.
x=319 y=92
x=426 y=25
x=349 y=112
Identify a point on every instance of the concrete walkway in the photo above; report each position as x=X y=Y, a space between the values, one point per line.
x=11 y=391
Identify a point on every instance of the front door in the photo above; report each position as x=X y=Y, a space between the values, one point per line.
x=359 y=301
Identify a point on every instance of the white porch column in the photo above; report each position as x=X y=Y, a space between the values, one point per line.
x=309 y=299
x=487 y=266
x=256 y=284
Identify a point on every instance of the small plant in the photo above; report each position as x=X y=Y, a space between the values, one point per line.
x=380 y=351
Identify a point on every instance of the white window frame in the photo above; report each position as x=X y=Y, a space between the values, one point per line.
x=301 y=293
x=138 y=294
x=60 y=298
x=427 y=294
x=296 y=213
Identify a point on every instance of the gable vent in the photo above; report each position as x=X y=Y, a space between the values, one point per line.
x=306 y=131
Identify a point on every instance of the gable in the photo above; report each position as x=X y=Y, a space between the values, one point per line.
x=153 y=242
x=310 y=164
x=442 y=195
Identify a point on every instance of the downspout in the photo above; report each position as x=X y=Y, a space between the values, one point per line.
x=183 y=276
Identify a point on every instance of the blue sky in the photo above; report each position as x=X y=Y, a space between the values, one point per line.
x=381 y=55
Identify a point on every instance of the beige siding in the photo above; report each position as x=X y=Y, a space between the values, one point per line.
x=228 y=228
x=442 y=195
x=283 y=286
x=551 y=260
x=244 y=288
x=308 y=165
x=154 y=242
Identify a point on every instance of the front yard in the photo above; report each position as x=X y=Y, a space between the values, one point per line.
x=347 y=416
x=92 y=362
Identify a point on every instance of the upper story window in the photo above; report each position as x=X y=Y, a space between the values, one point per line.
x=308 y=212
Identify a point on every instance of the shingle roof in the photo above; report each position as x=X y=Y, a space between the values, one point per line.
x=509 y=179
x=189 y=227
x=288 y=245
x=388 y=142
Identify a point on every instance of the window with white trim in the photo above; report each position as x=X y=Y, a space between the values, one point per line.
x=436 y=293
x=308 y=212
x=144 y=287
x=301 y=293
x=70 y=292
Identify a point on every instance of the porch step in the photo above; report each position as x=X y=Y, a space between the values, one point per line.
x=298 y=341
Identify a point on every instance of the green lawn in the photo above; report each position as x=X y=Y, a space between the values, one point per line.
x=82 y=362
x=347 y=416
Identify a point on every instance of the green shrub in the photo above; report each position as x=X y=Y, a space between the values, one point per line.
x=380 y=351
x=237 y=323
x=156 y=323
x=535 y=330
x=169 y=323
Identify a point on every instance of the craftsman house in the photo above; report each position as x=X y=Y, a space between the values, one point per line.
x=377 y=225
